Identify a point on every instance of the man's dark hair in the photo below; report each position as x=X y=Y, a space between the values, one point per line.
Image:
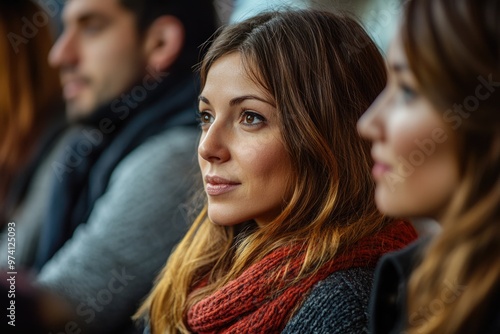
x=197 y=16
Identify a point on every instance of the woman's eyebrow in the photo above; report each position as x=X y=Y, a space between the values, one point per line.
x=203 y=99
x=238 y=100
x=399 y=67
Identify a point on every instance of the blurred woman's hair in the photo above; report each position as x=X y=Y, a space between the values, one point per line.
x=322 y=71
x=453 y=48
x=28 y=86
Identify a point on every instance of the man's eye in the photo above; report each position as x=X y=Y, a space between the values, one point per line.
x=92 y=28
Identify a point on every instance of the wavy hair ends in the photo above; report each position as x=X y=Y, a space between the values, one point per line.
x=322 y=71
x=453 y=49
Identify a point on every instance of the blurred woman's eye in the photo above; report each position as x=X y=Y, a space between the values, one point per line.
x=409 y=94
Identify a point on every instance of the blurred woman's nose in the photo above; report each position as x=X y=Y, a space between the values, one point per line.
x=370 y=125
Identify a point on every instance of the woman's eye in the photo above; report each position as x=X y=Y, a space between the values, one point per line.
x=205 y=118
x=251 y=118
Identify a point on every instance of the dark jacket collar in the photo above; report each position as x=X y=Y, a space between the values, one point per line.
x=387 y=309
x=388 y=300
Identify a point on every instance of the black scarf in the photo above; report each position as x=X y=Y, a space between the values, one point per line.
x=104 y=139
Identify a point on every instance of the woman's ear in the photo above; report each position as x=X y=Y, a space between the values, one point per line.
x=164 y=41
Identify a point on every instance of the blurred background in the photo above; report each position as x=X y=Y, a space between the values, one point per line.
x=379 y=17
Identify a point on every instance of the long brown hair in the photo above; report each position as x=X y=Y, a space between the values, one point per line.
x=453 y=47
x=29 y=87
x=320 y=86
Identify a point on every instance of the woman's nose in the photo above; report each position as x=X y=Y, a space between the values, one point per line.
x=214 y=144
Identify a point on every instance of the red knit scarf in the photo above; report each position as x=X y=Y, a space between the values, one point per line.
x=253 y=304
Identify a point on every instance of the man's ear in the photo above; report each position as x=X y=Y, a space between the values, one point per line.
x=163 y=43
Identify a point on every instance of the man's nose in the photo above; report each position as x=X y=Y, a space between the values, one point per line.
x=64 y=52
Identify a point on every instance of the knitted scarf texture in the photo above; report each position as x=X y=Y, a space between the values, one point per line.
x=256 y=303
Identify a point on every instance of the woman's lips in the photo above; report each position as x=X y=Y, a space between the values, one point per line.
x=216 y=185
x=219 y=189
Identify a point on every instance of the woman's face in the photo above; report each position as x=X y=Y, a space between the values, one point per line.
x=416 y=167
x=241 y=154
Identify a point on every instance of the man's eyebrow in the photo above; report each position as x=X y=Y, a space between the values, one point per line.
x=88 y=16
x=238 y=100
x=93 y=16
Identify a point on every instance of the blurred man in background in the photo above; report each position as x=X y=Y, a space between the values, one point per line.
x=110 y=210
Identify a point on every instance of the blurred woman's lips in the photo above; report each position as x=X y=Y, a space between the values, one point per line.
x=379 y=169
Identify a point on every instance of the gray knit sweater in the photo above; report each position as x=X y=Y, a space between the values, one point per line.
x=336 y=305
x=108 y=266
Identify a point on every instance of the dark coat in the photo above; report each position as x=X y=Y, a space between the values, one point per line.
x=388 y=313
